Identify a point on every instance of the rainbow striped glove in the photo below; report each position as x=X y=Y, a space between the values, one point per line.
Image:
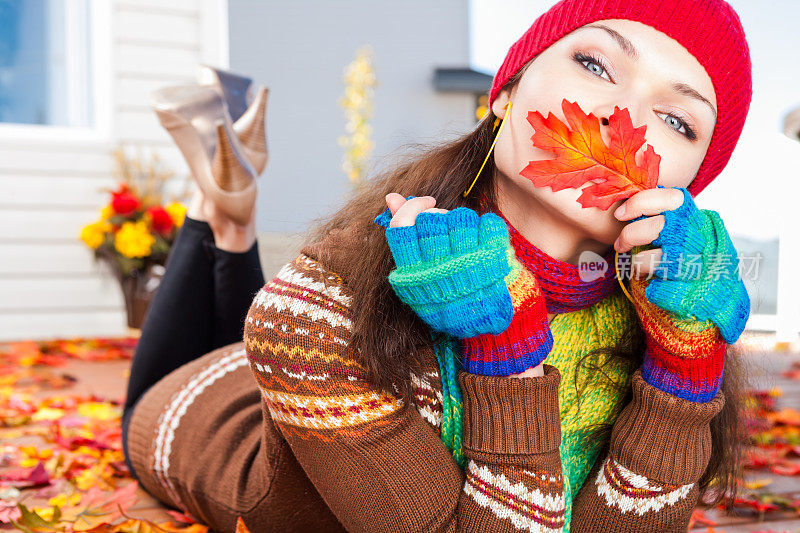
x=693 y=306
x=698 y=272
x=458 y=272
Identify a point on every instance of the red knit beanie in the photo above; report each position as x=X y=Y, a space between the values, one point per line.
x=709 y=29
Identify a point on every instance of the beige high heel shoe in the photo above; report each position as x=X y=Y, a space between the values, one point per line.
x=234 y=88
x=197 y=119
x=249 y=115
x=251 y=130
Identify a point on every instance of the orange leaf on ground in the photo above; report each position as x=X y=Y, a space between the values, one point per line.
x=582 y=156
x=240 y=527
x=98 y=507
x=787 y=416
x=133 y=525
x=699 y=517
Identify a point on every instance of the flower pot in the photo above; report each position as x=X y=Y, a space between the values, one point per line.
x=138 y=290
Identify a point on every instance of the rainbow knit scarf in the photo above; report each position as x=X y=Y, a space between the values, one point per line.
x=590 y=315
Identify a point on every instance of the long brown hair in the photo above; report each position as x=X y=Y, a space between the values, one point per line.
x=393 y=339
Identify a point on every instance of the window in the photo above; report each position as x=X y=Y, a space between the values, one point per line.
x=46 y=63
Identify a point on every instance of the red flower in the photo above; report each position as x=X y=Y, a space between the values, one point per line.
x=123 y=201
x=160 y=220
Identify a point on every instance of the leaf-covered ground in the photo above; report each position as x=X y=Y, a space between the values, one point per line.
x=61 y=462
x=62 y=468
x=769 y=501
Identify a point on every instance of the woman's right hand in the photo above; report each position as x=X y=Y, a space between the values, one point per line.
x=459 y=273
x=404 y=211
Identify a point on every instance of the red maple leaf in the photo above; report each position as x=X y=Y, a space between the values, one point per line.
x=582 y=156
x=785 y=468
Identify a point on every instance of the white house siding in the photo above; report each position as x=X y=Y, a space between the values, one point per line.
x=51 y=180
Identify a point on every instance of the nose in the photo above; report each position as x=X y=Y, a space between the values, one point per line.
x=605 y=132
x=605 y=110
x=602 y=111
x=632 y=103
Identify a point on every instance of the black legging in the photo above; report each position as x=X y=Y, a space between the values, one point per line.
x=199 y=305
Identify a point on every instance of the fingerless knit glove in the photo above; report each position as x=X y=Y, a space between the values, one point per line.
x=694 y=306
x=458 y=272
x=698 y=275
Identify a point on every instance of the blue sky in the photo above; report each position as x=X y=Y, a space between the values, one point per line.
x=751 y=193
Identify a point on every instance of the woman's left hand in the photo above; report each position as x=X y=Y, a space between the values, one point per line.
x=667 y=227
x=645 y=208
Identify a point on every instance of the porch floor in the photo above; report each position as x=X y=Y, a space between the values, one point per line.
x=107 y=380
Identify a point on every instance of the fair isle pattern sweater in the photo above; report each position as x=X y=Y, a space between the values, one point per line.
x=380 y=465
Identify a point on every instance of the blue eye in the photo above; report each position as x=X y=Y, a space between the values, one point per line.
x=599 y=68
x=687 y=131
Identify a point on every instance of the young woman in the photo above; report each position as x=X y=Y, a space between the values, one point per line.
x=434 y=361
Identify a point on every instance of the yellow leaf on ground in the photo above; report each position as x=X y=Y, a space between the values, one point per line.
x=47 y=413
x=99 y=410
x=757 y=483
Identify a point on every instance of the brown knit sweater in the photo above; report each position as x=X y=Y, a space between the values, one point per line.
x=380 y=465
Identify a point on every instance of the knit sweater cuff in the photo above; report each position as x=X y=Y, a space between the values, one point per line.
x=697 y=380
x=524 y=344
x=683 y=357
x=662 y=437
x=508 y=419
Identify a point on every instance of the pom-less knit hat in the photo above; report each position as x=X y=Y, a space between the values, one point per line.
x=709 y=29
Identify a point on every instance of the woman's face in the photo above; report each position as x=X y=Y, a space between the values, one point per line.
x=630 y=65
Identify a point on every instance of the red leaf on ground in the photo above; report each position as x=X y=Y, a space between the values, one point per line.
x=785 y=468
x=9 y=511
x=27 y=477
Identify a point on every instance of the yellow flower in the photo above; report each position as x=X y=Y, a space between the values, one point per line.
x=107 y=212
x=134 y=239
x=93 y=234
x=177 y=212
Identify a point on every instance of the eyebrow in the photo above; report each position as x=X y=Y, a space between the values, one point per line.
x=631 y=51
x=687 y=90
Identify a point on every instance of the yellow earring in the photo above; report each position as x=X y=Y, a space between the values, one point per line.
x=507 y=107
x=497 y=119
x=619 y=278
